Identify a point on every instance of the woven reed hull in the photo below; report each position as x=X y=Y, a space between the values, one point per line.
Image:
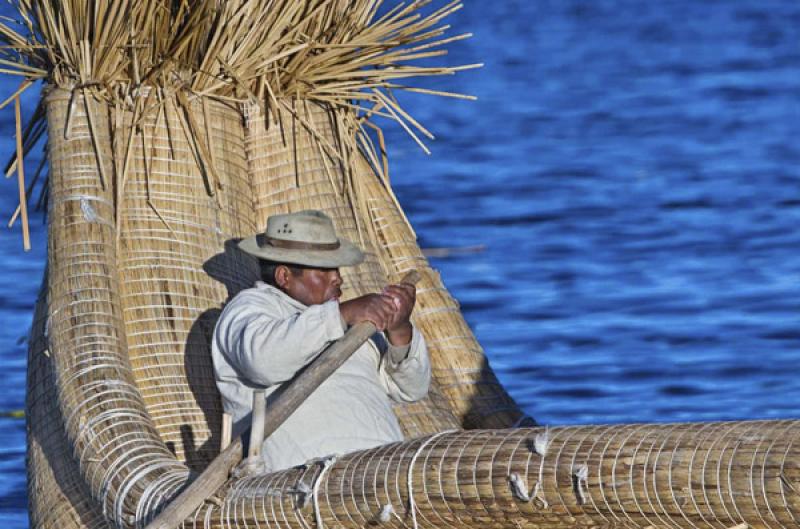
x=679 y=475
x=141 y=257
x=57 y=495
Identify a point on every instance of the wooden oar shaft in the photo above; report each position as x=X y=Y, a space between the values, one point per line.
x=215 y=475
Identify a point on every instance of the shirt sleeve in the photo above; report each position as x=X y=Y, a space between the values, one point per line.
x=267 y=349
x=405 y=371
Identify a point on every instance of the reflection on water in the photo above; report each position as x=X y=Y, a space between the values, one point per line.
x=633 y=170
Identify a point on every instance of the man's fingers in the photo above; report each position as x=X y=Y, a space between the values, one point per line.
x=404 y=287
x=394 y=299
x=399 y=293
x=404 y=293
x=387 y=309
x=403 y=299
x=382 y=309
x=387 y=302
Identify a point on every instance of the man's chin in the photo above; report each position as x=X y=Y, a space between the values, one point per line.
x=335 y=295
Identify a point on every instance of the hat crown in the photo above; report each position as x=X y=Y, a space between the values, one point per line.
x=308 y=226
x=305 y=238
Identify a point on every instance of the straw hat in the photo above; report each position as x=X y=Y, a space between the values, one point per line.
x=305 y=238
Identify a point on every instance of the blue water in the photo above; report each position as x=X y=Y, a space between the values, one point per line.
x=633 y=170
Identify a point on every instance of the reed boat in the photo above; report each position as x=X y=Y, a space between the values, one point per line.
x=175 y=128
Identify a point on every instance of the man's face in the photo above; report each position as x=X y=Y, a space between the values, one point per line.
x=313 y=286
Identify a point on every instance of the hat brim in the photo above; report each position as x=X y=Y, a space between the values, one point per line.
x=347 y=254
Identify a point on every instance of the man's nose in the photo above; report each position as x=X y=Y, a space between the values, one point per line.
x=336 y=278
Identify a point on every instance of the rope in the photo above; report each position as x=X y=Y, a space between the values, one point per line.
x=581 y=476
x=386 y=513
x=541 y=443
x=155 y=495
x=303 y=492
x=519 y=486
x=411 y=504
x=326 y=464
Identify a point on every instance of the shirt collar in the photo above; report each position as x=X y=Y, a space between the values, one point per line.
x=261 y=285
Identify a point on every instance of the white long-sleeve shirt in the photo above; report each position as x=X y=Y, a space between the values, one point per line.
x=264 y=337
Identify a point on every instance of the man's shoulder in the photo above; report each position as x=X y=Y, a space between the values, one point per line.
x=260 y=294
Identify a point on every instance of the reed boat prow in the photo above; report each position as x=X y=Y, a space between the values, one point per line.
x=153 y=176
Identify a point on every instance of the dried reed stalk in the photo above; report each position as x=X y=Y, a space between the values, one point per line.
x=23 y=199
x=335 y=51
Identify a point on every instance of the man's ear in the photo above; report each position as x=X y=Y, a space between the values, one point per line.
x=282 y=276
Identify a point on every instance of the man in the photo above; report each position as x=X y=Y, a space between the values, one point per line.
x=268 y=333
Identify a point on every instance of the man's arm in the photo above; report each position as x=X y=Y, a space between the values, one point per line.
x=267 y=348
x=405 y=371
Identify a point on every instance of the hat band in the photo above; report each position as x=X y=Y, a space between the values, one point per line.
x=299 y=245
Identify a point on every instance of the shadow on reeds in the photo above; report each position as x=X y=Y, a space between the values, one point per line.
x=236 y=271
x=200 y=378
x=491 y=406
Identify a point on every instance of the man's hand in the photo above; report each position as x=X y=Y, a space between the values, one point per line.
x=376 y=308
x=389 y=311
x=398 y=328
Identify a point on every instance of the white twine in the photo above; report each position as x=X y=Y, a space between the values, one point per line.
x=541 y=442
x=89 y=214
x=110 y=466
x=326 y=464
x=304 y=492
x=518 y=487
x=411 y=504
x=252 y=113
x=209 y=512
x=114 y=467
x=157 y=493
x=132 y=480
x=250 y=466
x=581 y=477
x=84 y=198
x=386 y=513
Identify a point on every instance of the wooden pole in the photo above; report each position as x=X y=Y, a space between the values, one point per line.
x=298 y=390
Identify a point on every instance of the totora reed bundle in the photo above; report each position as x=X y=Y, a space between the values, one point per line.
x=171 y=130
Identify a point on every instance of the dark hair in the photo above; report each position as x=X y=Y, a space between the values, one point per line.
x=268 y=269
